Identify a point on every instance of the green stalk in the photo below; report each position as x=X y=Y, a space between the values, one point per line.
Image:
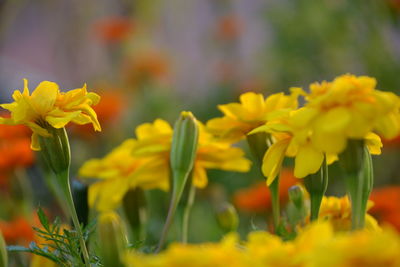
x=357 y=164
x=259 y=143
x=316 y=184
x=180 y=181
x=186 y=213
x=274 y=189
x=67 y=196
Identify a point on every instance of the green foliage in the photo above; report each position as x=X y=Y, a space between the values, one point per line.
x=59 y=245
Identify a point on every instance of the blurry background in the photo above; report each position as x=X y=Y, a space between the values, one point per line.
x=154 y=58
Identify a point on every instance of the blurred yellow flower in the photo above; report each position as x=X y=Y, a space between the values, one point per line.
x=317 y=245
x=119 y=171
x=337 y=210
x=253 y=110
x=350 y=107
x=48 y=107
x=154 y=140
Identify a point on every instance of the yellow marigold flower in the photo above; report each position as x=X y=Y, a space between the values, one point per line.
x=338 y=212
x=253 y=110
x=351 y=107
x=154 y=140
x=48 y=107
x=119 y=171
x=294 y=137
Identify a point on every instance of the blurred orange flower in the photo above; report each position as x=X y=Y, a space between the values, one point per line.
x=15 y=151
x=229 y=27
x=113 y=29
x=17 y=231
x=257 y=198
x=387 y=205
x=144 y=66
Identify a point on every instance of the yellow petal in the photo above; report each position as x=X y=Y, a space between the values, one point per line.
x=374 y=143
x=252 y=102
x=273 y=159
x=58 y=118
x=200 y=177
x=107 y=195
x=44 y=97
x=308 y=161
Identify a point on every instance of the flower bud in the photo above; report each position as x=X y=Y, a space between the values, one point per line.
x=296 y=195
x=3 y=252
x=227 y=217
x=183 y=150
x=258 y=144
x=112 y=239
x=184 y=143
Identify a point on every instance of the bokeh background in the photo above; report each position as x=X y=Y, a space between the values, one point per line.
x=152 y=59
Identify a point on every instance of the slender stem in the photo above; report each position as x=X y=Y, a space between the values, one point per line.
x=274 y=189
x=64 y=178
x=186 y=213
x=171 y=212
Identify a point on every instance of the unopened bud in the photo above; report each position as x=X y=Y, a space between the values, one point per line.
x=296 y=195
x=3 y=252
x=112 y=239
x=227 y=217
x=183 y=150
x=184 y=143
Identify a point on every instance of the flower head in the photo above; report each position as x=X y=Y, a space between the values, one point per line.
x=48 y=107
x=119 y=171
x=155 y=140
x=253 y=111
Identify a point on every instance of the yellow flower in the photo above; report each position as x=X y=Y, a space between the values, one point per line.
x=155 y=140
x=119 y=171
x=338 y=212
x=350 y=107
x=48 y=107
x=294 y=133
x=253 y=110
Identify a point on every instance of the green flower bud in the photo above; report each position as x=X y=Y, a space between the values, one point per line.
x=183 y=150
x=227 y=217
x=184 y=143
x=111 y=239
x=3 y=252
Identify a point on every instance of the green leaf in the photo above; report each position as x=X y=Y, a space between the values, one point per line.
x=43 y=219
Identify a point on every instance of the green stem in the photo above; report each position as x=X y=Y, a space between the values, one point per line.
x=67 y=195
x=274 y=189
x=180 y=181
x=316 y=184
x=186 y=213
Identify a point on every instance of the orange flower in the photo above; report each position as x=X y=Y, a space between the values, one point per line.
x=387 y=205
x=113 y=29
x=144 y=66
x=15 y=151
x=257 y=198
x=229 y=27
x=17 y=231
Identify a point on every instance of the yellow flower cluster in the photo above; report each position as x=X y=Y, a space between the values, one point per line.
x=347 y=108
x=144 y=162
x=316 y=245
x=48 y=107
